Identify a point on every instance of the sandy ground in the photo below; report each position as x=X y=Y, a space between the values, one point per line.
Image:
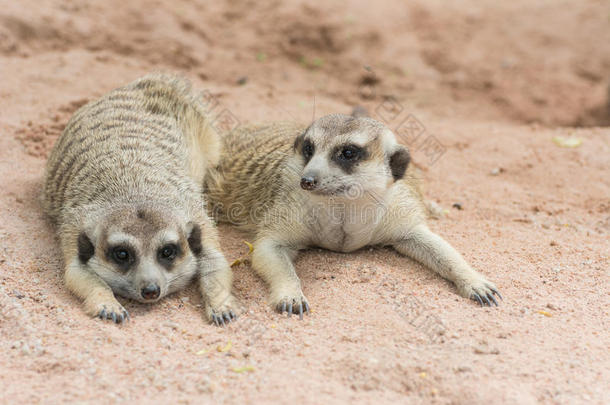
x=489 y=84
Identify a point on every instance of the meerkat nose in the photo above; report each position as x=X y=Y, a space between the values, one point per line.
x=309 y=183
x=151 y=292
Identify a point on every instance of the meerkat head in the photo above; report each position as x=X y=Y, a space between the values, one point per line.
x=141 y=252
x=350 y=157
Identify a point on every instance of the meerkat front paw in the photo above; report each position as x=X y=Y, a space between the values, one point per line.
x=291 y=303
x=107 y=311
x=224 y=313
x=478 y=289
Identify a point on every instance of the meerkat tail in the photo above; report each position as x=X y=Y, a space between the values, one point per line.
x=203 y=142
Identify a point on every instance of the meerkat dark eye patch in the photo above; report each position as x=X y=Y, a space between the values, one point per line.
x=85 y=248
x=194 y=240
x=347 y=156
x=167 y=254
x=308 y=150
x=123 y=256
x=399 y=161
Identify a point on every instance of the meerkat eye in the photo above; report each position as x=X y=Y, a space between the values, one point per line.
x=350 y=152
x=120 y=255
x=168 y=252
x=308 y=149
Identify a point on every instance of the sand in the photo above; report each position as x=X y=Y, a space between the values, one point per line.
x=478 y=90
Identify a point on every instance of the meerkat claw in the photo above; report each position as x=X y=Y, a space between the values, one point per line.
x=224 y=319
x=291 y=307
x=491 y=297
x=218 y=320
x=116 y=318
x=476 y=297
x=497 y=293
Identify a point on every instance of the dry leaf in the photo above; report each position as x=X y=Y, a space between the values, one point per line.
x=226 y=348
x=243 y=369
x=567 y=142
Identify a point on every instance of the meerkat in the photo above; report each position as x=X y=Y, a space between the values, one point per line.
x=341 y=184
x=124 y=187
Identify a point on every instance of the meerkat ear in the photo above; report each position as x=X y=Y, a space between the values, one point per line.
x=399 y=161
x=85 y=248
x=298 y=141
x=194 y=239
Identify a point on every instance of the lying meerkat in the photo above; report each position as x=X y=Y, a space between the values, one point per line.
x=123 y=185
x=341 y=184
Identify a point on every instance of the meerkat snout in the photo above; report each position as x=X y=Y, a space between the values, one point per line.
x=151 y=292
x=309 y=182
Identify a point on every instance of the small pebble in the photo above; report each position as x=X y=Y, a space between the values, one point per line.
x=242 y=80
x=484 y=350
x=171 y=324
x=496 y=171
x=457 y=206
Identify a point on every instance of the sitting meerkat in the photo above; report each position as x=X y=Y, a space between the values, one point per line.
x=341 y=184
x=124 y=186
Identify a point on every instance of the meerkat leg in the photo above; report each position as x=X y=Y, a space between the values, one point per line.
x=273 y=262
x=433 y=251
x=97 y=296
x=215 y=282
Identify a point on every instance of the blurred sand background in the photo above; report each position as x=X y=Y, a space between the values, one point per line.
x=491 y=83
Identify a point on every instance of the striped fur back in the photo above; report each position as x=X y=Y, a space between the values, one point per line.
x=148 y=140
x=252 y=173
